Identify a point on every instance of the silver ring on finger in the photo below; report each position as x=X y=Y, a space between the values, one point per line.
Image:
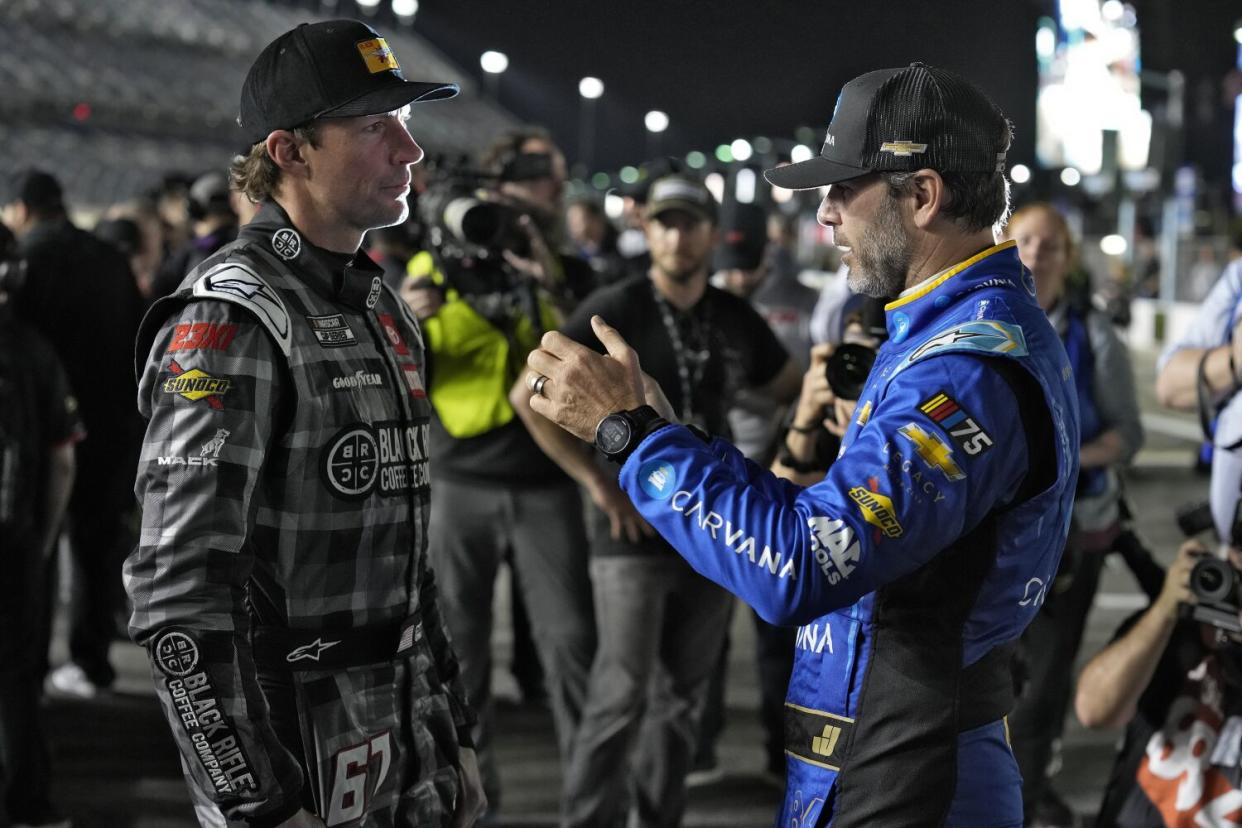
x=538 y=384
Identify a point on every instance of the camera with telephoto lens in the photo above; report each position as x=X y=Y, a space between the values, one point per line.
x=848 y=369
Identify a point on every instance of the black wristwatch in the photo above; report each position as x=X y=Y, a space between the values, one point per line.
x=617 y=435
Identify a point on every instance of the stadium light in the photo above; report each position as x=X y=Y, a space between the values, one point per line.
x=368 y=4
x=493 y=63
x=590 y=88
x=405 y=9
x=741 y=149
x=1070 y=177
x=1113 y=245
x=1020 y=174
x=744 y=186
x=656 y=121
x=801 y=153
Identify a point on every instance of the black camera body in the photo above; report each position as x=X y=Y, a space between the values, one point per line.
x=848 y=368
x=1215 y=584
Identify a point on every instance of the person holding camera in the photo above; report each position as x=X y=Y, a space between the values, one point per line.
x=489 y=285
x=913 y=567
x=1175 y=684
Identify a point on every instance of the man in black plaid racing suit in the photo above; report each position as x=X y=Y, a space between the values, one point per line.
x=281 y=581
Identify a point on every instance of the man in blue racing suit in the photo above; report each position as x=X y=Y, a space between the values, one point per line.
x=917 y=562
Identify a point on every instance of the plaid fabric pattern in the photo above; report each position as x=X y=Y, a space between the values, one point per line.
x=290 y=492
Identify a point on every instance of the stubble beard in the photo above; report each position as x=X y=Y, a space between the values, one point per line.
x=882 y=255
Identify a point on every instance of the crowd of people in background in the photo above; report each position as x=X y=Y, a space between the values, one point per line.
x=625 y=643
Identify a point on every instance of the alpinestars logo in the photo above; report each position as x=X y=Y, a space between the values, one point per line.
x=311 y=651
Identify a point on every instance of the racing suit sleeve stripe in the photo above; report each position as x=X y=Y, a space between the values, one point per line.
x=904 y=490
x=210 y=395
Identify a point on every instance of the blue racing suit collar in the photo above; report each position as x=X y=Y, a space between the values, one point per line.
x=918 y=307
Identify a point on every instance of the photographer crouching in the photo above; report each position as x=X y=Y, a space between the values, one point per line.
x=488 y=286
x=1173 y=677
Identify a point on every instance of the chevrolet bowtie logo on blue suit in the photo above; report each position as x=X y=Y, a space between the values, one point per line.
x=910 y=561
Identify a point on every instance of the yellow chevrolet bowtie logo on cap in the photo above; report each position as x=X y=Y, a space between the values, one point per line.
x=903 y=148
x=378 y=56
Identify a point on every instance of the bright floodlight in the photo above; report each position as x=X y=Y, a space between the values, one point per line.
x=368 y=4
x=1020 y=173
x=1112 y=10
x=656 y=121
x=741 y=149
x=744 y=186
x=492 y=62
x=1046 y=43
x=405 y=8
x=1070 y=177
x=1113 y=245
x=801 y=153
x=715 y=184
x=590 y=87
x=1237 y=33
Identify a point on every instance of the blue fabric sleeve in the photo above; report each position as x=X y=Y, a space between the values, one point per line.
x=943 y=448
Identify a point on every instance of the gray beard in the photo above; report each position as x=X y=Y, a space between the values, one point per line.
x=882 y=255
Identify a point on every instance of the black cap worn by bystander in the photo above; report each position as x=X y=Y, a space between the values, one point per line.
x=743 y=237
x=679 y=192
x=332 y=69
x=899 y=120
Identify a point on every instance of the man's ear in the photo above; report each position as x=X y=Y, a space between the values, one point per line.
x=286 y=152
x=930 y=196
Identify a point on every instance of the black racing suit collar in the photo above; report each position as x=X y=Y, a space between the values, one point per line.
x=350 y=279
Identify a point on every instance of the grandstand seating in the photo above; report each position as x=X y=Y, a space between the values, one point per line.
x=161 y=79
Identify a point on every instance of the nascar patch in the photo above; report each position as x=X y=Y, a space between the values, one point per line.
x=332 y=331
x=947 y=413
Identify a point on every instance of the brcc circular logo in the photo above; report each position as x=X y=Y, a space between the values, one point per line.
x=287 y=243
x=656 y=478
x=351 y=462
x=176 y=654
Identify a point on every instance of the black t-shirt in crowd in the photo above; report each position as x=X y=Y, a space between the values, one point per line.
x=1180 y=762
x=37 y=412
x=723 y=347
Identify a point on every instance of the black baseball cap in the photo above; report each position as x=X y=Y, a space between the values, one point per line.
x=680 y=192
x=38 y=190
x=898 y=120
x=332 y=69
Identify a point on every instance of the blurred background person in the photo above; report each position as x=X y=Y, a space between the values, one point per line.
x=751 y=268
x=80 y=294
x=595 y=239
x=145 y=261
x=1111 y=435
x=39 y=426
x=484 y=304
x=212 y=224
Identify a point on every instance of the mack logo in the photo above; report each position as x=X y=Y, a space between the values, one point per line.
x=311 y=651
x=826 y=742
x=834 y=547
x=734 y=537
x=215 y=336
x=903 y=149
x=933 y=451
x=877 y=509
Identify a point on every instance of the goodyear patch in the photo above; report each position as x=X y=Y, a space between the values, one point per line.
x=378 y=57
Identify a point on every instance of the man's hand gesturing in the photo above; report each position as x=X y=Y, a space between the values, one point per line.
x=583 y=387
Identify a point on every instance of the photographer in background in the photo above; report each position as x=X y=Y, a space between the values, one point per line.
x=1175 y=683
x=486 y=289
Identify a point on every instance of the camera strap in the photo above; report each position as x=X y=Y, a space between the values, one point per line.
x=691 y=364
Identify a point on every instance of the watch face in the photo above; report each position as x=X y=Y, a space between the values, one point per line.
x=613 y=434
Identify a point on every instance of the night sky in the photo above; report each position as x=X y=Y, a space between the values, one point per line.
x=724 y=70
